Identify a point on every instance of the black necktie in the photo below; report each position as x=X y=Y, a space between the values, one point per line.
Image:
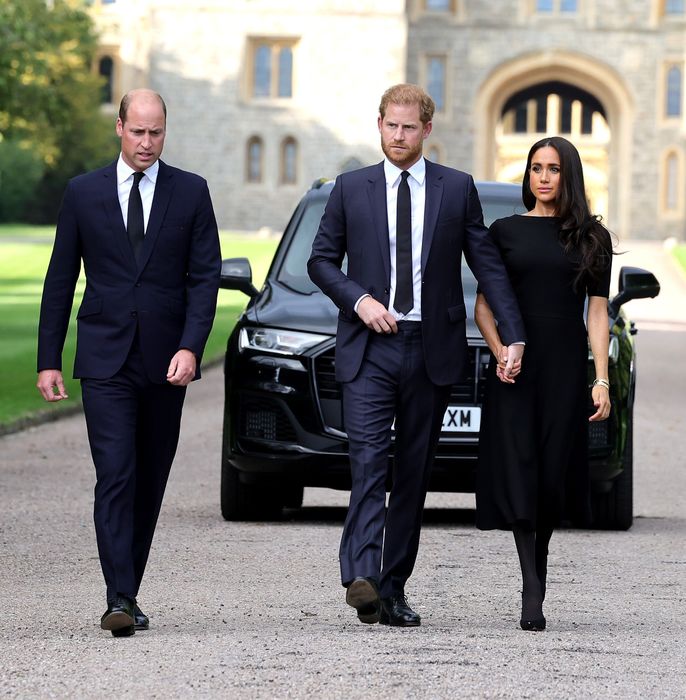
x=135 y=224
x=403 y=301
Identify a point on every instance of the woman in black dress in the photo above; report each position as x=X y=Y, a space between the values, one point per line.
x=533 y=465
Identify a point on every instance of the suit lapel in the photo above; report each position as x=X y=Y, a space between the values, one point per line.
x=163 y=191
x=377 y=199
x=114 y=215
x=432 y=205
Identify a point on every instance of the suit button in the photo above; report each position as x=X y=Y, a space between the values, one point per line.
x=138 y=284
x=134 y=314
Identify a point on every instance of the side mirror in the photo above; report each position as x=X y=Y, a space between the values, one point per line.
x=237 y=274
x=634 y=283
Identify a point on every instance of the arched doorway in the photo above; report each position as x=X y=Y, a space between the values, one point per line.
x=558 y=93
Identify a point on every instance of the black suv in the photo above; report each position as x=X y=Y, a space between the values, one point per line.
x=283 y=424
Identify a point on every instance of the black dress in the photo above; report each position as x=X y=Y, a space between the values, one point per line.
x=533 y=466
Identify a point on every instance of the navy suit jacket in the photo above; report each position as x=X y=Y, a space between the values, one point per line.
x=169 y=295
x=355 y=223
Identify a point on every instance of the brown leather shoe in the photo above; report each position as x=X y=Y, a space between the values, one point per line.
x=363 y=595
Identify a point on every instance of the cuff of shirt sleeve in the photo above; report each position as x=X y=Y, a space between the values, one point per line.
x=357 y=303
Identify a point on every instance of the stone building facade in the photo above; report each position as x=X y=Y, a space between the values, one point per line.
x=266 y=96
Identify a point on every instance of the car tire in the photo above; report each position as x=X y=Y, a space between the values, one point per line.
x=241 y=501
x=614 y=510
x=292 y=496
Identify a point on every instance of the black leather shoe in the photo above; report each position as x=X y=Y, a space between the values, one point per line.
x=140 y=619
x=396 y=612
x=119 y=617
x=363 y=595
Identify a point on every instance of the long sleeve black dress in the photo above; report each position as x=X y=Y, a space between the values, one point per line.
x=533 y=465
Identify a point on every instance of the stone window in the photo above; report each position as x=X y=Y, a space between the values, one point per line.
x=106 y=72
x=254 y=160
x=673 y=94
x=439 y=5
x=271 y=68
x=556 y=6
x=672 y=185
x=675 y=7
x=554 y=108
x=434 y=153
x=289 y=161
x=436 y=80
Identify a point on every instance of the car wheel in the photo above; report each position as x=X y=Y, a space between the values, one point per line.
x=292 y=496
x=614 y=510
x=241 y=501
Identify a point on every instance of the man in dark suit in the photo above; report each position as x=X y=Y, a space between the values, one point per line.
x=401 y=342
x=147 y=235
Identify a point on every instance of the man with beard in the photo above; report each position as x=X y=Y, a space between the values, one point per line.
x=401 y=343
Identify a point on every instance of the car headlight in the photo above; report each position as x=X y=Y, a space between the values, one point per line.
x=277 y=340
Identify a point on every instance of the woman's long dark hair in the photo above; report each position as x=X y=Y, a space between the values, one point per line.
x=580 y=230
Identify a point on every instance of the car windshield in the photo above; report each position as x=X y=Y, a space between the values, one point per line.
x=293 y=269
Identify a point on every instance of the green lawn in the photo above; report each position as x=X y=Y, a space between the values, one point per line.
x=680 y=255
x=24 y=255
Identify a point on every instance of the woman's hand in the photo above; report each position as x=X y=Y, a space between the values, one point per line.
x=601 y=401
x=502 y=363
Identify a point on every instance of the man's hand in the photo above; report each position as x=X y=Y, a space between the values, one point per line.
x=181 y=368
x=51 y=385
x=376 y=316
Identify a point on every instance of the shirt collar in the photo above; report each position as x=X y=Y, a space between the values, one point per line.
x=124 y=171
x=392 y=172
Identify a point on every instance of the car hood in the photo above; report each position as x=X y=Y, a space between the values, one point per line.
x=282 y=307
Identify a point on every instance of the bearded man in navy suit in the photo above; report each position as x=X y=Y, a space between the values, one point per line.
x=403 y=225
x=148 y=239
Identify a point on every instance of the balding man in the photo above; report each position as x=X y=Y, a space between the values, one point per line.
x=147 y=236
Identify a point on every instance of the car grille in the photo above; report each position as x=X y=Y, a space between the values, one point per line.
x=263 y=419
x=466 y=393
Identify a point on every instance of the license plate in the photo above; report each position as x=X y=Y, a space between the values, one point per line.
x=462 y=419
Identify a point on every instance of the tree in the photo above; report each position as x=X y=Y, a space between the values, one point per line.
x=50 y=118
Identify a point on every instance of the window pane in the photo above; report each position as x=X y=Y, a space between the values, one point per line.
x=255 y=160
x=568 y=5
x=587 y=120
x=674 y=7
x=289 y=153
x=436 y=81
x=286 y=72
x=541 y=114
x=438 y=5
x=521 y=113
x=544 y=5
x=674 y=92
x=262 y=78
x=565 y=115
x=106 y=71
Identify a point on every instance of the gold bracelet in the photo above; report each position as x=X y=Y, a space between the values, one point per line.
x=602 y=382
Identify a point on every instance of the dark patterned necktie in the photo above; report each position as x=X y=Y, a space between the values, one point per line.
x=403 y=301
x=135 y=224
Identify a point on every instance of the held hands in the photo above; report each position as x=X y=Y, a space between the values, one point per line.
x=376 y=316
x=51 y=385
x=601 y=401
x=509 y=363
x=181 y=368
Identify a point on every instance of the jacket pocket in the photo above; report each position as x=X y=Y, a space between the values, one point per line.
x=90 y=307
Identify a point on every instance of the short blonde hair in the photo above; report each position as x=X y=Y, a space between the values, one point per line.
x=408 y=94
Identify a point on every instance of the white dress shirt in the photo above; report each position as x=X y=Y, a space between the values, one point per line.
x=416 y=181
x=146 y=188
